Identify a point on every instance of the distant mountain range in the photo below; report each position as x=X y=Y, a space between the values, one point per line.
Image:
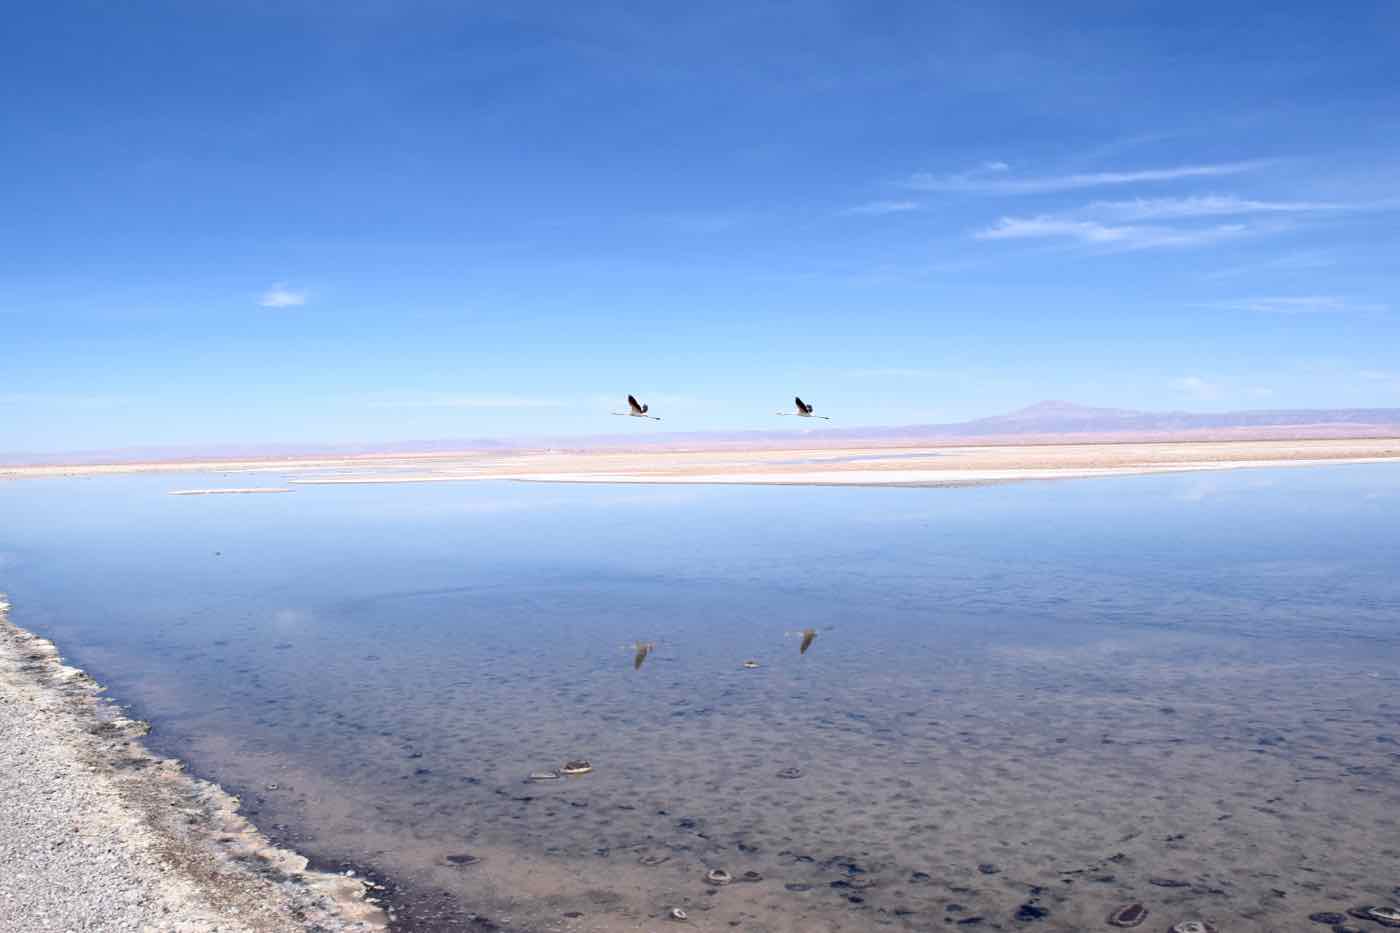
x=1057 y=421
x=1055 y=417
x=1043 y=422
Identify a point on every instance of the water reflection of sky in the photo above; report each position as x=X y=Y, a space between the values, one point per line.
x=488 y=628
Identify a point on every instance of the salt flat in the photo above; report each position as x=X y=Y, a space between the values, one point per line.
x=872 y=465
x=855 y=464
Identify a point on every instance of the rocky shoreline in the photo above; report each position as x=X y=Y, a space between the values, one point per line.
x=97 y=833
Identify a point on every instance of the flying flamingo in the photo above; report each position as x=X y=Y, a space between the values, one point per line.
x=803 y=411
x=638 y=410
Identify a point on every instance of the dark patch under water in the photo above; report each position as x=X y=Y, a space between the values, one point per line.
x=1023 y=705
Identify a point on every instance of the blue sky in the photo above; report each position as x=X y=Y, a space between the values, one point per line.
x=372 y=221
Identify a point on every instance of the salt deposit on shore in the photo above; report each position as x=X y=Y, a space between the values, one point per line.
x=96 y=833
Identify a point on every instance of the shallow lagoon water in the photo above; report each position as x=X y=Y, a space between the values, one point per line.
x=1029 y=704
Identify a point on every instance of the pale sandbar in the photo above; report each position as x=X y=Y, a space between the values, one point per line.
x=872 y=466
x=853 y=463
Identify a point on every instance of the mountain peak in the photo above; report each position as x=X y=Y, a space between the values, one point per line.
x=1057 y=406
x=1059 y=409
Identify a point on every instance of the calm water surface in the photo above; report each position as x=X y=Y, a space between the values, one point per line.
x=1026 y=704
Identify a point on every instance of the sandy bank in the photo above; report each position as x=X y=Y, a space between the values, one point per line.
x=866 y=466
x=919 y=477
x=836 y=465
x=96 y=833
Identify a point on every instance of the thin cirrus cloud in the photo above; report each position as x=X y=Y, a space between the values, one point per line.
x=1148 y=223
x=880 y=208
x=1212 y=205
x=995 y=178
x=1298 y=304
x=1096 y=233
x=282 y=296
x=1196 y=387
x=1202 y=389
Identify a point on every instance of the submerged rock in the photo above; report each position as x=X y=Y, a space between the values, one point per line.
x=1030 y=911
x=1327 y=917
x=1385 y=916
x=718 y=876
x=1194 y=926
x=1129 y=915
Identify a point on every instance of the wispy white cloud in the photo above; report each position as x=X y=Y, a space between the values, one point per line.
x=1196 y=387
x=1022 y=228
x=281 y=296
x=1203 y=389
x=1210 y=205
x=1147 y=223
x=994 y=178
x=1096 y=233
x=454 y=400
x=877 y=208
x=1298 y=304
